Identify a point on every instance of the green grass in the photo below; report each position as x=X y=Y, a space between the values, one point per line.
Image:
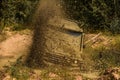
x=19 y=71
x=102 y=58
x=62 y=73
x=105 y=58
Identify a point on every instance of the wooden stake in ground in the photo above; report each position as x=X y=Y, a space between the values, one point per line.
x=82 y=42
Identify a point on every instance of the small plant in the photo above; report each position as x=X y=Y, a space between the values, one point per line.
x=105 y=58
x=59 y=74
x=18 y=70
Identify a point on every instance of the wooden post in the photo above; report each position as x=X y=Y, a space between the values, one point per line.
x=82 y=42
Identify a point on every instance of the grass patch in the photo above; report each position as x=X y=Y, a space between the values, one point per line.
x=58 y=73
x=105 y=58
x=102 y=57
x=19 y=71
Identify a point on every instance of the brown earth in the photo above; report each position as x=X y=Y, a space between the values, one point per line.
x=13 y=47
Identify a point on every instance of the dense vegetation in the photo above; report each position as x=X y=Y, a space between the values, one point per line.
x=15 y=12
x=92 y=14
x=95 y=14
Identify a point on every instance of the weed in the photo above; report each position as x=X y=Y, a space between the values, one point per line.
x=18 y=70
x=60 y=73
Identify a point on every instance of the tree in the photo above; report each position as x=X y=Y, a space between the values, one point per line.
x=95 y=14
x=15 y=12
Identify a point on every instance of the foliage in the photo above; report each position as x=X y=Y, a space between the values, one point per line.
x=95 y=14
x=14 y=12
x=18 y=70
x=105 y=58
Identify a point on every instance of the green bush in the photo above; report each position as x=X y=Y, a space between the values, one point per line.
x=95 y=14
x=14 y=12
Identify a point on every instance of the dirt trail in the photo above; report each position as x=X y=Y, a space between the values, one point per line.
x=13 y=47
